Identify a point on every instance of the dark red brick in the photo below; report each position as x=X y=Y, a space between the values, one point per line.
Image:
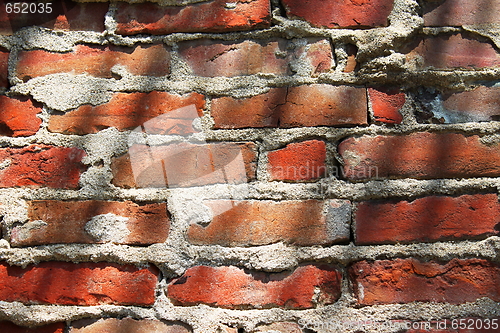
x=409 y=280
x=335 y=14
x=128 y=325
x=461 y=12
x=434 y=218
x=185 y=164
x=232 y=287
x=209 y=16
x=158 y=112
x=18 y=116
x=67 y=283
x=8 y=327
x=252 y=222
x=68 y=221
x=4 y=68
x=41 y=165
x=386 y=103
x=419 y=155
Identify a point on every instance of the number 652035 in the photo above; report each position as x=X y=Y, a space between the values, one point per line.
x=28 y=8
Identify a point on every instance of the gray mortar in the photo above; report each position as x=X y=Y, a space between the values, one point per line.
x=380 y=62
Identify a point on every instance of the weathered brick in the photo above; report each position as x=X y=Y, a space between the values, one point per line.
x=479 y=104
x=4 y=68
x=211 y=16
x=129 y=325
x=232 y=287
x=152 y=60
x=64 y=15
x=158 y=112
x=308 y=105
x=227 y=58
x=301 y=161
x=386 y=103
x=461 y=12
x=18 y=116
x=453 y=51
x=41 y=165
x=185 y=164
x=67 y=283
x=248 y=223
x=281 y=327
x=334 y=14
x=8 y=327
x=434 y=218
x=53 y=221
x=409 y=280
x=419 y=155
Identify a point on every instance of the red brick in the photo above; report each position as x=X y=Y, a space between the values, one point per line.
x=19 y=116
x=185 y=164
x=67 y=222
x=420 y=155
x=308 y=105
x=215 y=58
x=152 y=60
x=41 y=165
x=454 y=51
x=386 y=103
x=65 y=15
x=461 y=12
x=232 y=287
x=334 y=14
x=8 y=327
x=129 y=325
x=249 y=223
x=67 y=283
x=298 y=161
x=126 y=111
x=434 y=218
x=479 y=104
x=211 y=16
x=4 y=68
x=408 y=280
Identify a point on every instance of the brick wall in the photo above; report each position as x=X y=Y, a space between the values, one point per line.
x=245 y=166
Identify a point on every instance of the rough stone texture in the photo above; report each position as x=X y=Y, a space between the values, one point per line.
x=409 y=280
x=309 y=105
x=300 y=161
x=52 y=222
x=232 y=287
x=275 y=56
x=18 y=116
x=41 y=165
x=152 y=60
x=185 y=164
x=159 y=112
x=211 y=16
x=129 y=325
x=454 y=51
x=9 y=327
x=420 y=155
x=78 y=284
x=283 y=327
x=434 y=218
x=461 y=12
x=335 y=14
x=248 y=223
x=386 y=104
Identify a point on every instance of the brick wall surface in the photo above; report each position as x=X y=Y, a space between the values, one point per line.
x=245 y=166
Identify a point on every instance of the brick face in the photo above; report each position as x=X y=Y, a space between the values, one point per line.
x=309 y=105
x=211 y=16
x=19 y=116
x=247 y=223
x=129 y=325
x=460 y=12
x=185 y=164
x=152 y=60
x=232 y=287
x=6 y=326
x=67 y=222
x=213 y=58
x=419 y=155
x=408 y=280
x=386 y=104
x=479 y=104
x=78 y=284
x=434 y=218
x=335 y=14
x=127 y=111
x=41 y=165
x=4 y=68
